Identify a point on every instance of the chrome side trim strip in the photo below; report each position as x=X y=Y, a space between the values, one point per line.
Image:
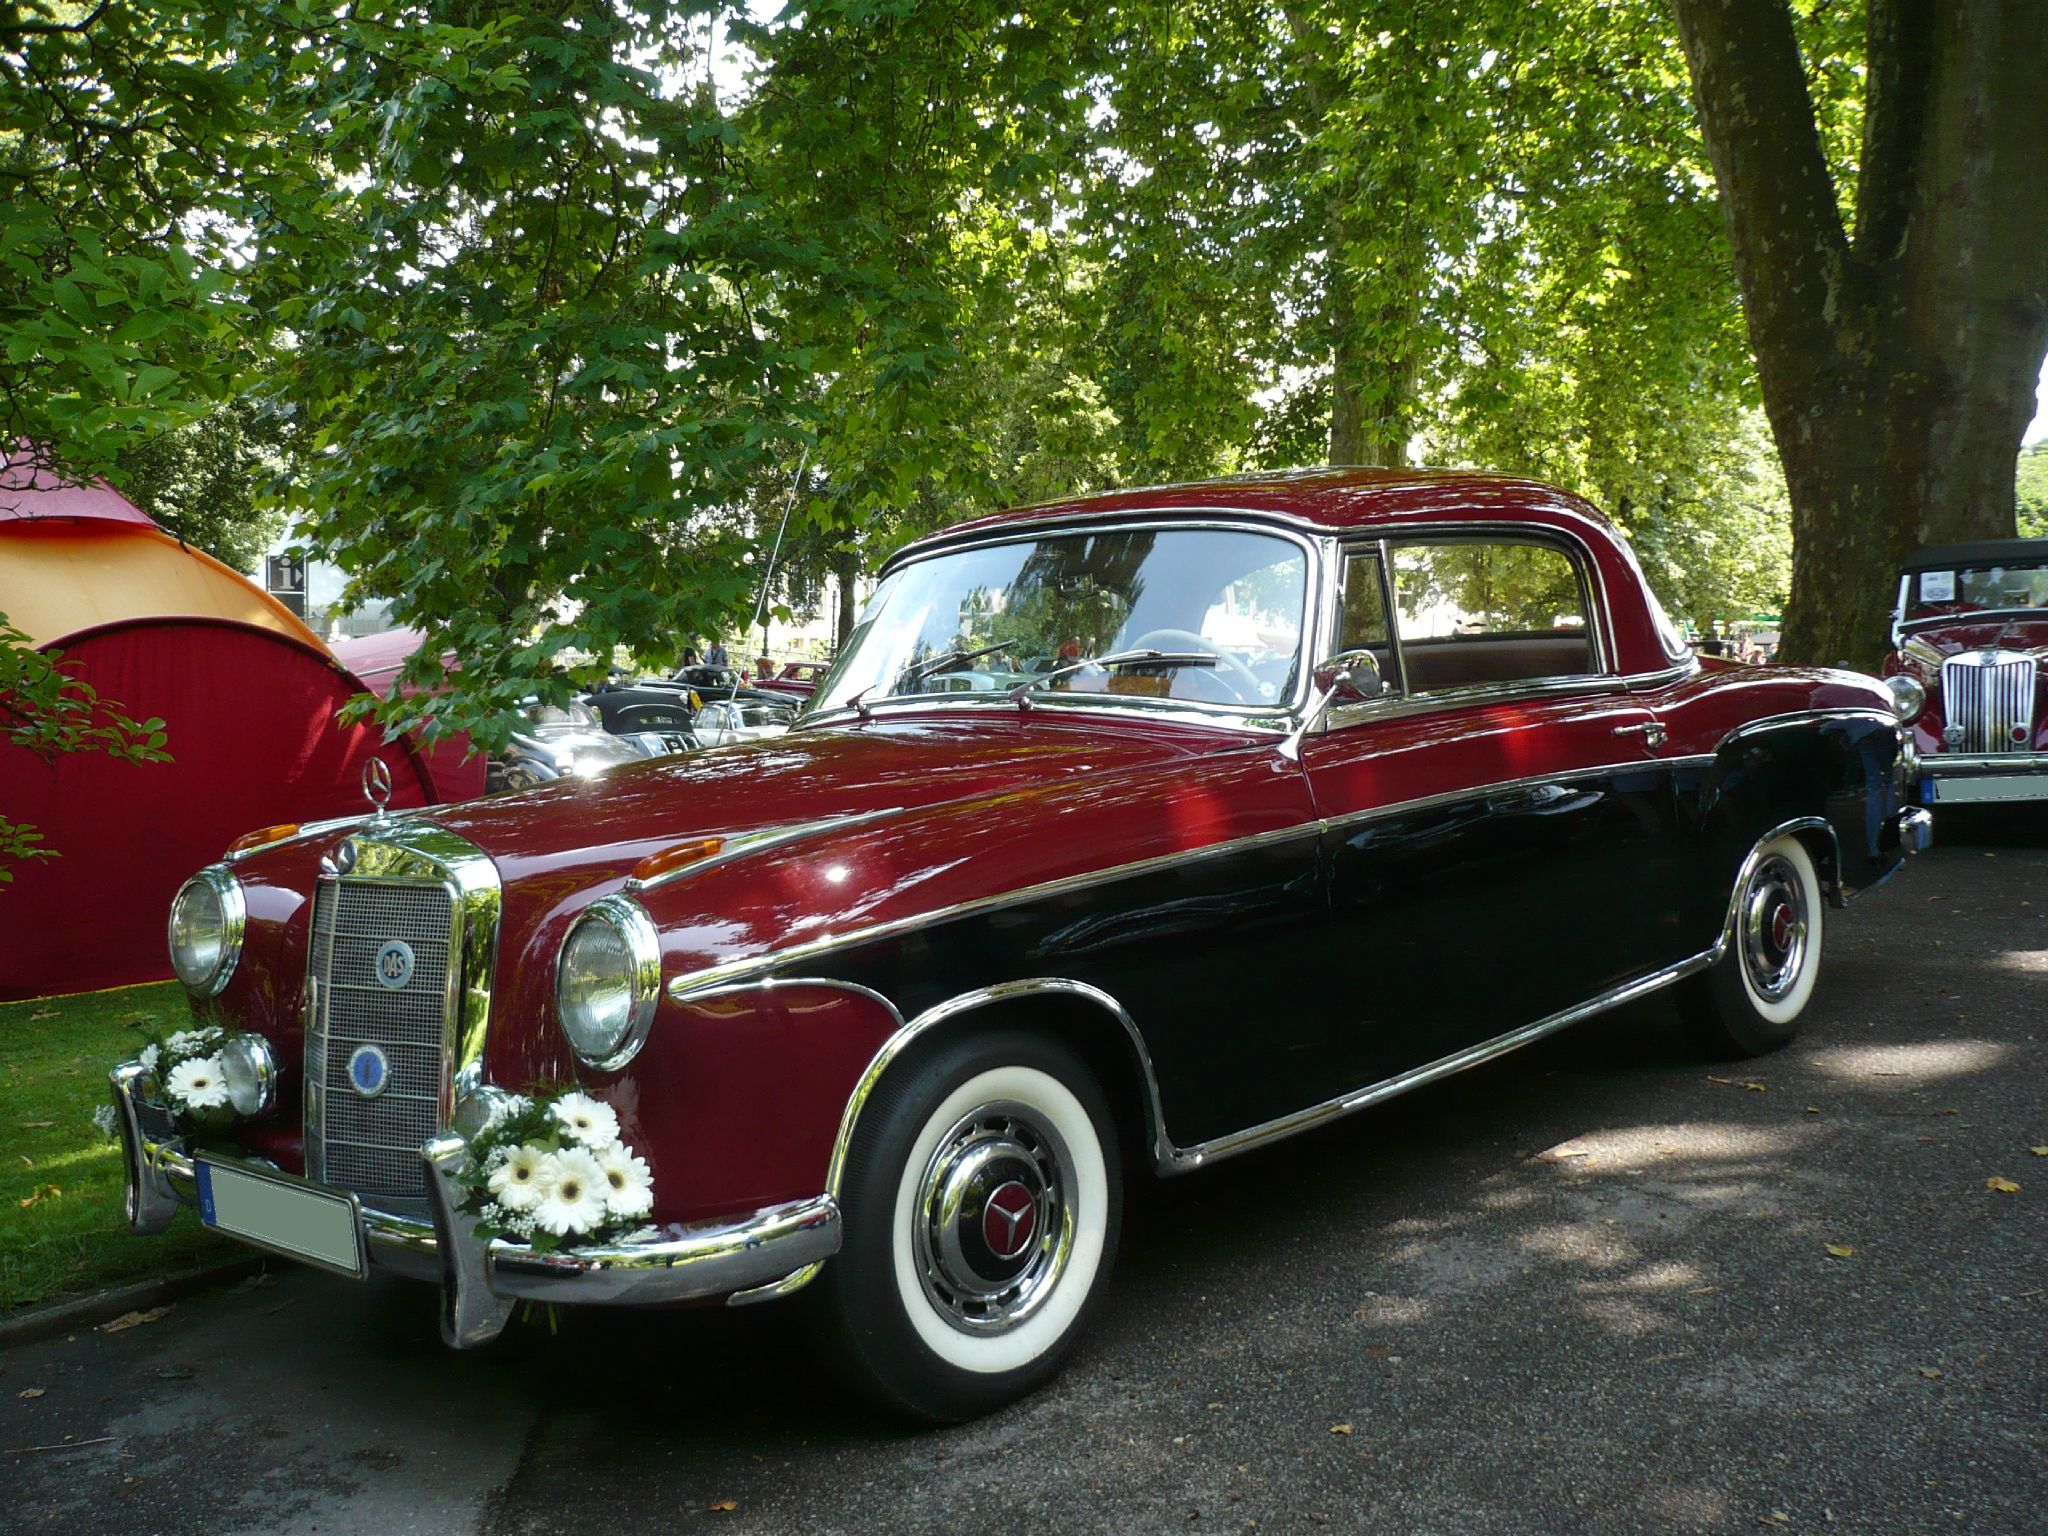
x=968 y=1002
x=306 y=829
x=1936 y=763
x=693 y=984
x=744 y=843
x=1186 y=1159
x=1505 y=786
x=677 y=994
x=1808 y=716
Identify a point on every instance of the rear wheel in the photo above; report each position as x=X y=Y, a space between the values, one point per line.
x=1753 y=997
x=982 y=1196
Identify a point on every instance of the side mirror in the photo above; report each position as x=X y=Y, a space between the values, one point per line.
x=1350 y=677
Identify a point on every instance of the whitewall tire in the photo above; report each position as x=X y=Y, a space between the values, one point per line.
x=982 y=1198
x=1752 y=999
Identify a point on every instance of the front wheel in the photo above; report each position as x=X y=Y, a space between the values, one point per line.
x=982 y=1198
x=1751 y=1000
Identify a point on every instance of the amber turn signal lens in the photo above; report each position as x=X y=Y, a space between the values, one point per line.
x=262 y=836
x=674 y=857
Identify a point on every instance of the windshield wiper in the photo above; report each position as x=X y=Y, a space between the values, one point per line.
x=859 y=705
x=926 y=668
x=1115 y=659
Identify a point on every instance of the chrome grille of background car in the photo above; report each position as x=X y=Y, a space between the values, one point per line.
x=372 y=1145
x=1989 y=695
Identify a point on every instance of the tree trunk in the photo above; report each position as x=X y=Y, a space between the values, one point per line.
x=846 y=575
x=1898 y=370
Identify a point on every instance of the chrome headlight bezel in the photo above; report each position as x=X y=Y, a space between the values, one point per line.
x=216 y=884
x=1909 y=697
x=610 y=1046
x=250 y=1072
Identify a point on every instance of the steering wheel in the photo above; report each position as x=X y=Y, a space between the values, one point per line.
x=1230 y=681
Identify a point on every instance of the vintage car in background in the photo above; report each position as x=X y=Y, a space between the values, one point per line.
x=722 y=722
x=885 y=1008
x=798 y=679
x=1970 y=666
x=558 y=741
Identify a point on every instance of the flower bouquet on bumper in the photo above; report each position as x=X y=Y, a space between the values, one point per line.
x=190 y=1080
x=550 y=1170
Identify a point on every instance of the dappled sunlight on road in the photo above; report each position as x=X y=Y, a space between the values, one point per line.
x=2027 y=962
x=1869 y=1066
x=1645 y=1146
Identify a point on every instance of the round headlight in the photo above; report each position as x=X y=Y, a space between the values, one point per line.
x=250 y=1073
x=1908 y=697
x=608 y=981
x=207 y=918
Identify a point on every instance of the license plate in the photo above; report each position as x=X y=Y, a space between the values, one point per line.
x=283 y=1214
x=1990 y=789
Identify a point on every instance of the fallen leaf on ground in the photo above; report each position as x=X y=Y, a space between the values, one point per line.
x=724 y=1506
x=37 y=1125
x=2002 y=1186
x=42 y=1013
x=31 y=1392
x=1928 y=1371
x=1214 y=1406
x=174 y=1373
x=1841 y=1250
x=2039 y=1151
x=1757 y=1087
x=40 y=1192
x=1340 y=1429
x=129 y=1320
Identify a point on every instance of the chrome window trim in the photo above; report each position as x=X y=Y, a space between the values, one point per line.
x=234 y=922
x=414 y=852
x=1586 y=566
x=1313 y=544
x=643 y=943
x=1974 y=616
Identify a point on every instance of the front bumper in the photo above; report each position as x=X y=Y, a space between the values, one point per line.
x=766 y=1253
x=1964 y=779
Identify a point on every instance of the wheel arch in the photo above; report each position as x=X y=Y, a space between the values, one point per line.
x=1084 y=1018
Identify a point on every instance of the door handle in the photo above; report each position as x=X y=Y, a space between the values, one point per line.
x=1652 y=731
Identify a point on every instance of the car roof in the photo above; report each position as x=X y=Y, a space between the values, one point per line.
x=1328 y=500
x=1942 y=557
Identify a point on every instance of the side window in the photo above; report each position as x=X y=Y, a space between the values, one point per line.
x=1477 y=612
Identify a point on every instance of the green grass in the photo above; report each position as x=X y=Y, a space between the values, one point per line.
x=61 y=1228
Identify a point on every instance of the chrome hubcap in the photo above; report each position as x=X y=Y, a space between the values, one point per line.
x=1774 y=927
x=995 y=1224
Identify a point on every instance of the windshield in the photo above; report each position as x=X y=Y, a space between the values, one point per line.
x=1225 y=606
x=1976 y=589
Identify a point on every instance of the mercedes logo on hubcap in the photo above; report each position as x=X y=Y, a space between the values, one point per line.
x=1009 y=1221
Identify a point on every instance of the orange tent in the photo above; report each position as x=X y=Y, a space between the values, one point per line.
x=248 y=696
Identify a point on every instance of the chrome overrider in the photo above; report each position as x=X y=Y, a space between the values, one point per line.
x=481 y=1279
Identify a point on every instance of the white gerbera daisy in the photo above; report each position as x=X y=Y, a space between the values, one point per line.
x=198 y=1084
x=523 y=1179
x=574 y=1203
x=629 y=1186
x=586 y=1119
x=150 y=1056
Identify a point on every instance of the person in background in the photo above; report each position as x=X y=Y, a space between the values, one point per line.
x=763 y=669
x=715 y=656
x=689 y=656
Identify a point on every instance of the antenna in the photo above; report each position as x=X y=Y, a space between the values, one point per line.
x=768 y=575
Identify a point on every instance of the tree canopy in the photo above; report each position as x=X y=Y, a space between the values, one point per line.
x=542 y=312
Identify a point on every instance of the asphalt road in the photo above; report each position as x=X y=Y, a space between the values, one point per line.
x=1603 y=1286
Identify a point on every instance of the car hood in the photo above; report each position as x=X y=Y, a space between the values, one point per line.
x=1972 y=633
x=603 y=827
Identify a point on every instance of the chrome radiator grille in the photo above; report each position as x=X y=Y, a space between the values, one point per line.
x=371 y=1145
x=1988 y=696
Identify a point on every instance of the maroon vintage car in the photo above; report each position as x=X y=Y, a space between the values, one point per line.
x=1970 y=667
x=797 y=680
x=1311 y=788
